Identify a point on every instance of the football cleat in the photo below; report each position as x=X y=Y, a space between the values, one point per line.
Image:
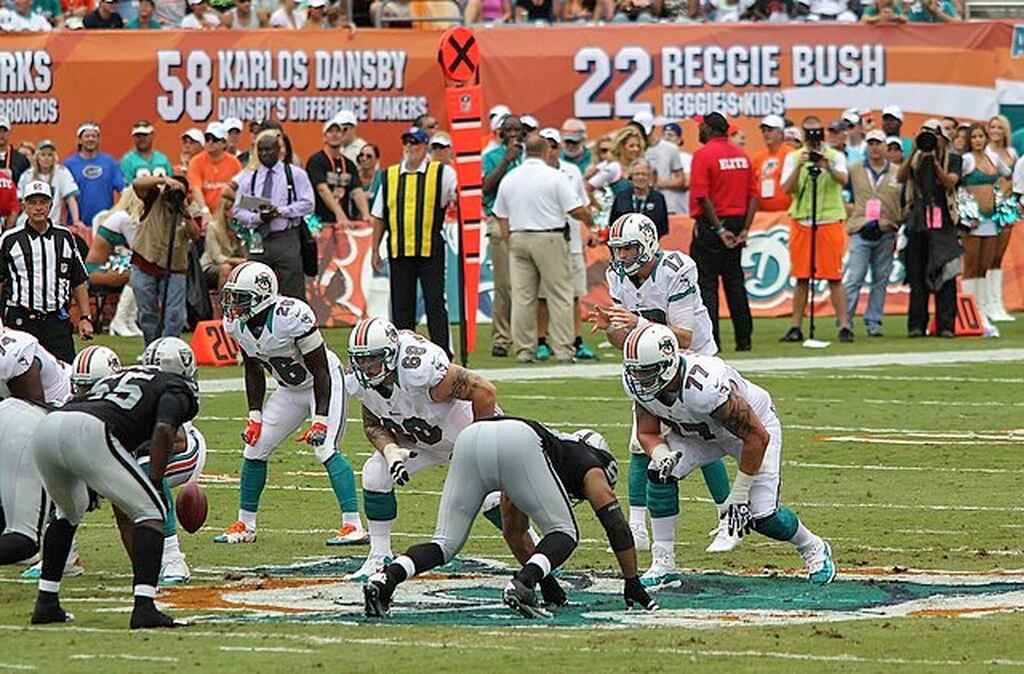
x=46 y=614
x=372 y=565
x=72 y=569
x=376 y=596
x=523 y=600
x=350 y=534
x=821 y=570
x=237 y=533
x=552 y=592
x=663 y=567
x=724 y=541
x=641 y=540
x=174 y=571
x=148 y=616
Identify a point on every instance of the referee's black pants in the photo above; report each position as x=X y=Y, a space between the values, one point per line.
x=52 y=331
x=715 y=261
x=404 y=273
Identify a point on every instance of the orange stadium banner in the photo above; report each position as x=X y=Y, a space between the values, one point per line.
x=50 y=83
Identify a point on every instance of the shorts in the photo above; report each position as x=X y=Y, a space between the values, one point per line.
x=828 y=251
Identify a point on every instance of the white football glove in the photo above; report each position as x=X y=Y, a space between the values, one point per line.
x=737 y=515
x=396 y=458
x=663 y=462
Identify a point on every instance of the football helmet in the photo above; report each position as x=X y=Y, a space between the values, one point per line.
x=597 y=442
x=251 y=288
x=650 y=360
x=90 y=365
x=633 y=229
x=173 y=355
x=373 y=350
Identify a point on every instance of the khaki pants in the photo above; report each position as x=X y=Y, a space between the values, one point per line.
x=501 y=306
x=539 y=263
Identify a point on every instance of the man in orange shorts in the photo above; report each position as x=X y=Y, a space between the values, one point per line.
x=830 y=243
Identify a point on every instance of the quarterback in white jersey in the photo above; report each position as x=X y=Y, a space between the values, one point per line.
x=648 y=285
x=415 y=403
x=712 y=411
x=280 y=335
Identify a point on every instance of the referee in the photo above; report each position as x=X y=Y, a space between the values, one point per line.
x=723 y=199
x=410 y=208
x=40 y=269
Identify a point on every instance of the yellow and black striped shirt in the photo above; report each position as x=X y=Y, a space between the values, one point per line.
x=413 y=210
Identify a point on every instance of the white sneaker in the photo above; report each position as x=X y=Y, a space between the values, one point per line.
x=175 y=571
x=821 y=570
x=663 y=567
x=372 y=565
x=72 y=568
x=237 y=533
x=350 y=534
x=724 y=542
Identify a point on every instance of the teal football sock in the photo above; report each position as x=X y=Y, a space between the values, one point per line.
x=343 y=482
x=380 y=506
x=494 y=516
x=171 y=521
x=781 y=526
x=662 y=499
x=254 y=479
x=717 y=480
x=638 y=479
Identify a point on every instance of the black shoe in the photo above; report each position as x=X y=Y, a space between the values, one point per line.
x=523 y=600
x=915 y=333
x=376 y=597
x=499 y=351
x=846 y=335
x=743 y=346
x=45 y=614
x=795 y=334
x=947 y=334
x=148 y=616
x=552 y=592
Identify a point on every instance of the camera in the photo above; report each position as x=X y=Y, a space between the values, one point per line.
x=176 y=198
x=814 y=136
x=926 y=141
x=814 y=157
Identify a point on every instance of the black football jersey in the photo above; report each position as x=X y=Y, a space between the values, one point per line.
x=132 y=401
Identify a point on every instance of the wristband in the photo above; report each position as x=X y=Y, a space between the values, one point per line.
x=661 y=451
x=256 y=416
x=741 y=488
x=392 y=453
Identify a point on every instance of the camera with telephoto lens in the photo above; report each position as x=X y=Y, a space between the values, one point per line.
x=926 y=141
x=814 y=136
x=176 y=199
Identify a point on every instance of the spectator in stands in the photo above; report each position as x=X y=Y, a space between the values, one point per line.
x=496 y=165
x=643 y=122
x=23 y=18
x=97 y=174
x=9 y=205
x=146 y=18
x=242 y=16
x=884 y=11
x=233 y=127
x=673 y=133
x=395 y=14
x=51 y=9
x=998 y=146
x=351 y=144
x=203 y=17
x=62 y=184
x=835 y=137
x=339 y=193
x=932 y=11
x=641 y=197
x=894 y=149
x=856 y=146
x=872 y=225
x=738 y=137
x=315 y=16
x=224 y=250
x=828 y=215
x=428 y=123
x=949 y=127
x=670 y=178
x=144 y=159
x=530 y=124
x=287 y=15
x=27 y=148
x=104 y=16
x=628 y=145
x=961 y=140
x=488 y=11
x=768 y=166
x=574 y=144
x=191 y=145
x=210 y=171
x=892 y=123
x=370 y=175
x=793 y=137
x=637 y=11
x=11 y=161
x=933 y=252
x=535 y=11
x=170 y=12
x=441 y=148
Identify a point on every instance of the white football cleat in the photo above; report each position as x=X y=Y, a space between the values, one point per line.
x=641 y=541
x=175 y=571
x=372 y=565
x=72 y=568
x=663 y=567
x=821 y=570
x=724 y=542
x=237 y=533
x=350 y=534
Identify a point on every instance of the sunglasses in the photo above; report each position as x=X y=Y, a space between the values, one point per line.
x=603 y=150
x=366 y=156
x=438 y=146
x=569 y=141
x=410 y=141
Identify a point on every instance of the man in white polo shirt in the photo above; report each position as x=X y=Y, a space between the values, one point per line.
x=531 y=206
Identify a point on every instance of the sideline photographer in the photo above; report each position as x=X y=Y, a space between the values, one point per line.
x=160 y=253
x=815 y=176
x=933 y=249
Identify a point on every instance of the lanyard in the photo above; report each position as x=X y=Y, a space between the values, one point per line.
x=876 y=177
x=639 y=208
x=334 y=169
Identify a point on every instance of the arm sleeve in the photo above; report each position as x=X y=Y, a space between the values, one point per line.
x=78 y=272
x=699 y=177
x=175 y=407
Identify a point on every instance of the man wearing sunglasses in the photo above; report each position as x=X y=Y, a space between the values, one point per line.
x=339 y=193
x=574 y=144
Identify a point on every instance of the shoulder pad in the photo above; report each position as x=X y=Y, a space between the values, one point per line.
x=293 y=318
x=422 y=364
x=17 y=351
x=705 y=384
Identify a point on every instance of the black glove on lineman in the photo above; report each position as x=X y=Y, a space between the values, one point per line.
x=634 y=593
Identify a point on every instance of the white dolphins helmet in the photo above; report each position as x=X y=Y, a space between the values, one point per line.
x=633 y=229
x=173 y=355
x=251 y=288
x=90 y=365
x=373 y=350
x=650 y=360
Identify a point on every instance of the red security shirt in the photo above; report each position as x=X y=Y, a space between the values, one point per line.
x=8 y=196
x=723 y=173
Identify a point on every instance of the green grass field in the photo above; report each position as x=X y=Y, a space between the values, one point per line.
x=904 y=468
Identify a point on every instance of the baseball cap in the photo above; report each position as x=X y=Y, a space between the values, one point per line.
x=416 y=134
x=195 y=2
x=142 y=127
x=715 y=121
x=894 y=140
x=661 y=120
x=793 y=133
x=233 y=124
x=37 y=187
x=441 y=138
x=892 y=111
x=5 y=123
x=46 y=143
x=530 y=121
x=574 y=129
x=346 y=117
x=194 y=134
x=851 y=117
x=876 y=135
x=837 y=126
x=216 y=129
x=331 y=122
x=498 y=111
x=674 y=128
x=773 y=122
x=645 y=120
x=551 y=134
x=317 y=3
x=87 y=126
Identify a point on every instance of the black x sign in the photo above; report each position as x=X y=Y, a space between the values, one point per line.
x=461 y=54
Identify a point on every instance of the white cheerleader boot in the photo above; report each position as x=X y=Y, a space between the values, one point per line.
x=124 y=322
x=994 y=277
x=979 y=288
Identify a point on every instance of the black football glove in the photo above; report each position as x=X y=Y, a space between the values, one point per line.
x=634 y=593
x=738 y=519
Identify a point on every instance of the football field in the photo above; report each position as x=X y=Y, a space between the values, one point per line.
x=905 y=454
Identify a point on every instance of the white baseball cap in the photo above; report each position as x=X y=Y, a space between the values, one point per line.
x=773 y=122
x=793 y=133
x=497 y=120
x=499 y=111
x=37 y=187
x=661 y=120
x=194 y=134
x=233 y=124
x=892 y=111
x=851 y=116
x=441 y=138
x=551 y=134
x=5 y=123
x=317 y=3
x=87 y=126
x=893 y=140
x=645 y=120
x=876 y=134
x=217 y=130
x=530 y=121
x=142 y=127
x=345 y=117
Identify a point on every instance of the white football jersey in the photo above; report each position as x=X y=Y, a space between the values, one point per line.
x=669 y=296
x=275 y=347
x=707 y=382
x=18 y=350
x=409 y=413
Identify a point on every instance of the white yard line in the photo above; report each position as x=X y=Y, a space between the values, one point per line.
x=16 y=667
x=122 y=656
x=263 y=649
x=922 y=469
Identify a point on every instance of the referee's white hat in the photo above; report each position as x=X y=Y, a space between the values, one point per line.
x=37 y=187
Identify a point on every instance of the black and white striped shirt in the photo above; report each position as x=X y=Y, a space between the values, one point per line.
x=40 y=271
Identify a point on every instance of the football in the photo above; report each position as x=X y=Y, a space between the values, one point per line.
x=191 y=507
